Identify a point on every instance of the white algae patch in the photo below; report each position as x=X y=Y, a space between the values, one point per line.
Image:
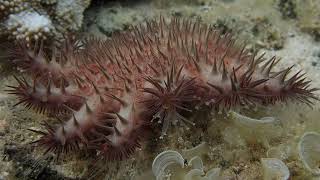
x=281 y=152
x=195 y=170
x=248 y=122
x=198 y=150
x=274 y=169
x=309 y=152
x=196 y=163
x=214 y=174
x=262 y=129
x=165 y=159
x=197 y=174
x=194 y=174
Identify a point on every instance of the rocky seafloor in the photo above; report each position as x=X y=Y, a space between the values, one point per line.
x=289 y=29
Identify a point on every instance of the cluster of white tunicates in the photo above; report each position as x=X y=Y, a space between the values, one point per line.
x=309 y=153
x=172 y=164
x=188 y=165
x=197 y=171
x=273 y=166
x=277 y=158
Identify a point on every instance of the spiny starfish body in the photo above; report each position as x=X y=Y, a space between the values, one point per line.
x=112 y=90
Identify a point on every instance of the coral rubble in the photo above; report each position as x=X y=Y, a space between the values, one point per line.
x=33 y=19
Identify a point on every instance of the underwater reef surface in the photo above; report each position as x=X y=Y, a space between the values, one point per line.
x=235 y=149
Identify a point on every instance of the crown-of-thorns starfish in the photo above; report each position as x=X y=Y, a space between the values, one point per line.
x=111 y=91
